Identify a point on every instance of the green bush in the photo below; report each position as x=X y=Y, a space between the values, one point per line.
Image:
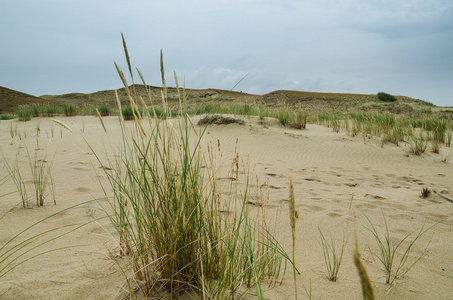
x=386 y=97
x=104 y=110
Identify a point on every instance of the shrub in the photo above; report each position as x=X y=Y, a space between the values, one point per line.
x=386 y=97
x=104 y=110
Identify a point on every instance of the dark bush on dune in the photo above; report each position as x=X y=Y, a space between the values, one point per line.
x=386 y=97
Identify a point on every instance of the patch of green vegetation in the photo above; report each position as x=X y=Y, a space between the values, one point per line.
x=23 y=113
x=48 y=110
x=423 y=102
x=69 y=110
x=7 y=117
x=104 y=110
x=386 y=97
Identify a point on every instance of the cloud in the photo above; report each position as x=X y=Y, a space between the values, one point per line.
x=399 y=46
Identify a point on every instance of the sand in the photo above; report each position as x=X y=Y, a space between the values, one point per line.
x=328 y=170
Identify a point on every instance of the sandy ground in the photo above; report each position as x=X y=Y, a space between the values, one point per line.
x=328 y=169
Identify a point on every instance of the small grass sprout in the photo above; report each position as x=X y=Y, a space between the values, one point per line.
x=395 y=264
x=42 y=178
x=425 y=192
x=418 y=144
x=332 y=256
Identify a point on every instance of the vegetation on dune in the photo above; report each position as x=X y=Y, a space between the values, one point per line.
x=167 y=210
x=386 y=97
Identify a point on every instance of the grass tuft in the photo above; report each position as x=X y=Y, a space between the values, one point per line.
x=167 y=210
x=388 y=253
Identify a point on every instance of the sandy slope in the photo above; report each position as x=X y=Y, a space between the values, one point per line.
x=328 y=169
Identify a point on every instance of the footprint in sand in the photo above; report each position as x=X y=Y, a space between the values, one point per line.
x=315 y=208
x=312 y=179
x=351 y=184
x=80 y=169
x=82 y=190
x=374 y=197
x=274 y=187
x=335 y=215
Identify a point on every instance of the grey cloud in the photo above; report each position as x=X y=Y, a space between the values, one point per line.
x=399 y=46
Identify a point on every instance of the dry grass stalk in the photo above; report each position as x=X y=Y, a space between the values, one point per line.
x=62 y=125
x=100 y=119
x=292 y=217
x=367 y=288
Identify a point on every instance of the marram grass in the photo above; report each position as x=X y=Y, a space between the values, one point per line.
x=167 y=211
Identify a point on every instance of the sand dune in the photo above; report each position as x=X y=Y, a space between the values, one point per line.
x=329 y=169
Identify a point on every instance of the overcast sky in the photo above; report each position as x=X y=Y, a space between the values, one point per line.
x=402 y=47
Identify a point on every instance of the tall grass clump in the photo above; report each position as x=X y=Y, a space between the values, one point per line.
x=104 y=110
x=69 y=110
x=167 y=211
x=332 y=256
x=448 y=138
x=389 y=253
x=5 y=117
x=23 y=113
x=48 y=110
x=418 y=144
x=301 y=118
x=42 y=178
x=283 y=114
x=386 y=97
x=34 y=110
